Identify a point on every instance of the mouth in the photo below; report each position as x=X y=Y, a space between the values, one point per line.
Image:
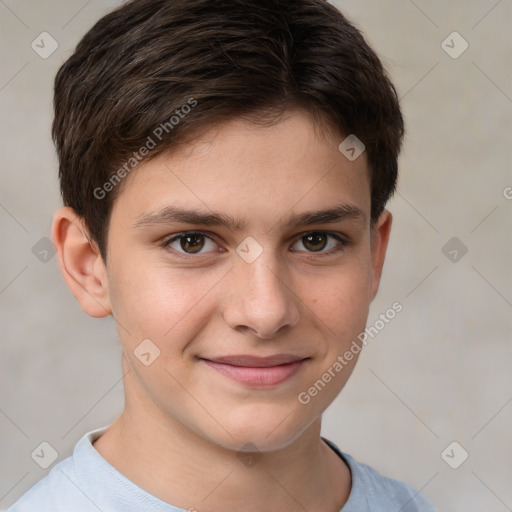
x=257 y=371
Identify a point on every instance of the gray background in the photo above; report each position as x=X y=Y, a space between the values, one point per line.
x=438 y=373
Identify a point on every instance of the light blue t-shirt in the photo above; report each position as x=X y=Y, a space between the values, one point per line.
x=86 y=482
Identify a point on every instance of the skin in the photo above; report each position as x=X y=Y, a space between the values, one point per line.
x=185 y=425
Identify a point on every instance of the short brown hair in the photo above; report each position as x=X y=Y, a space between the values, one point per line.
x=142 y=64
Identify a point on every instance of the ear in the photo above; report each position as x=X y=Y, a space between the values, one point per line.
x=80 y=263
x=379 y=243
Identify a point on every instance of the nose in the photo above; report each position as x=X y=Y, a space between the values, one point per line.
x=261 y=301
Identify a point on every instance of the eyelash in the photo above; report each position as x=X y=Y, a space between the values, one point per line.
x=342 y=243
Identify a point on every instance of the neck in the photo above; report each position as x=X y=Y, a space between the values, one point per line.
x=189 y=472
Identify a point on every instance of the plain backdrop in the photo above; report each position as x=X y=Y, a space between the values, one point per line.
x=439 y=373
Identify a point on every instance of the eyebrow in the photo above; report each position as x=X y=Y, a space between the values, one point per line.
x=174 y=214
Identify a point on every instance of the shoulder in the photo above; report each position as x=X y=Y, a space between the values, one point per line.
x=55 y=492
x=382 y=493
x=64 y=488
x=372 y=491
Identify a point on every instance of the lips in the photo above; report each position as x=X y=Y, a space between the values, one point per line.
x=257 y=362
x=257 y=371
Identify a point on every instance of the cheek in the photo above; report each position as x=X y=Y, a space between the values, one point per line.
x=161 y=303
x=339 y=315
x=343 y=303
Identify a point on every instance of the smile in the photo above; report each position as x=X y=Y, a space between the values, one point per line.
x=256 y=371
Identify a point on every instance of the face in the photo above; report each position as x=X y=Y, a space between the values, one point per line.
x=247 y=264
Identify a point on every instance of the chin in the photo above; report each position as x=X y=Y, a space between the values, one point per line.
x=267 y=431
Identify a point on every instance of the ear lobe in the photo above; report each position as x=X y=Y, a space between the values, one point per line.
x=80 y=263
x=380 y=238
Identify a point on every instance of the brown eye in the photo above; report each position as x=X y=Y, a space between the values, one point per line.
x=315 y=241
x=191 y=243
x=323 y=242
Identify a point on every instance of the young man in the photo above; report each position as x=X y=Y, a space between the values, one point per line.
x=224 y=166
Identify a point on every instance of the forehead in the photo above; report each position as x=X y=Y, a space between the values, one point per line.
x=241 y=168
